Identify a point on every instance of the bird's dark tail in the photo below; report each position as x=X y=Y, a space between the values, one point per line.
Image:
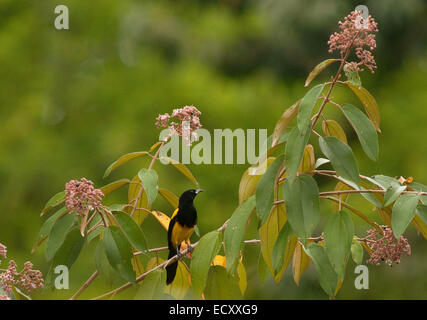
x=171 y=269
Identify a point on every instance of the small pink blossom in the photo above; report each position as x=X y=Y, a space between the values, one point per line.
x=82 y=197
x=27 y=280
x=5 y=297
x=186 y=127
x=3 y=250
x=353 y=35
x=385 y=247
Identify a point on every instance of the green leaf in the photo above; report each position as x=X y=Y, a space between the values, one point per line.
x=331 y=128
x=106 y=271
x=403 y=212
x=356 y=251
x=422 y=212
x=221 y=286
x=47 y=227
x=268 y=233
x=204 y=253
x=123 y=159
x=233 y=235
x=384 y=181
x=170 y=197
x=181 y=168
x=132 y=231
x=284 y=122
x=249 y=182
x=113 y=186
x=152 y=286
x=307 y=106
x=302 y=205
x=368 y=102
x=149 y=180
x=133 y=192
x=328 y=278
x=342 y=158
x=420 y=187
x=58 y=234
x=364 y=128
x=70 y=249
x=392 y=194
x=318 y=69
x=119 y=253
x=53 y=202
x=265 y=190
x=280 y=248
x=321 y=162
x=338 y=235
x=295 y=150
x=180 y=285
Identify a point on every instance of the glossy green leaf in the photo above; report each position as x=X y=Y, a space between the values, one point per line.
x=284 y=122
x=58 y=234
x=420 y=187
x=318 y=69
x=328 y=278
x=123 y=159
x=149 y=180
x=265 y=190
x=221 y=286
x=392 y=194
x=280 y=247
x=233 y=234
x=295 y=150
x=364 y=128
x=302 y=205
x=119 y=252
x=113 y=186
x=47 y=227
x=152 y=286
x=133 y=192
x=307 y=105
x=53 y=202
x=106 y=271
x=341 y=157
x=70 y=249
x=203 y=254
x=422 y=212
x=181 y=168
x=368 y=102
x=331 y=128
x=356 y=251
x=132 y=231
x=338 y=235
x=268 y=233
x=403 y=212
x=170 y=197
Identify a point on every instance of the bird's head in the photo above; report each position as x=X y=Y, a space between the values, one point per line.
x=188 y=196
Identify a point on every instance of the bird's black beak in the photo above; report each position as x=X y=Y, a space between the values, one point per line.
x=199 y=190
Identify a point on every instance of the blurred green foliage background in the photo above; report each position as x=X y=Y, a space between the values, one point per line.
x=73 y=101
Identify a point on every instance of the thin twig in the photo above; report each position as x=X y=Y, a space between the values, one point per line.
x=85 y=285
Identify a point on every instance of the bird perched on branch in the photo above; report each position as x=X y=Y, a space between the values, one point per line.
x=181 y=227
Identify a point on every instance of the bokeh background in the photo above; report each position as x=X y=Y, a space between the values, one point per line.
x=73 y=101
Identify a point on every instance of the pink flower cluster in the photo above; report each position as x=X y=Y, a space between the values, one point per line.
x=27 y=280
x=358 y=33
x=82 y=197
x=3 y=251
x=5 y=297
x=386 y=248
x=187 y=126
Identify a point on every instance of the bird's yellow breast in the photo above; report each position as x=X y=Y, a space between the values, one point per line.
x=180 y=233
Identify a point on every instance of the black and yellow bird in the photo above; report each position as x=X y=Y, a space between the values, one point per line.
x=181 y=227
